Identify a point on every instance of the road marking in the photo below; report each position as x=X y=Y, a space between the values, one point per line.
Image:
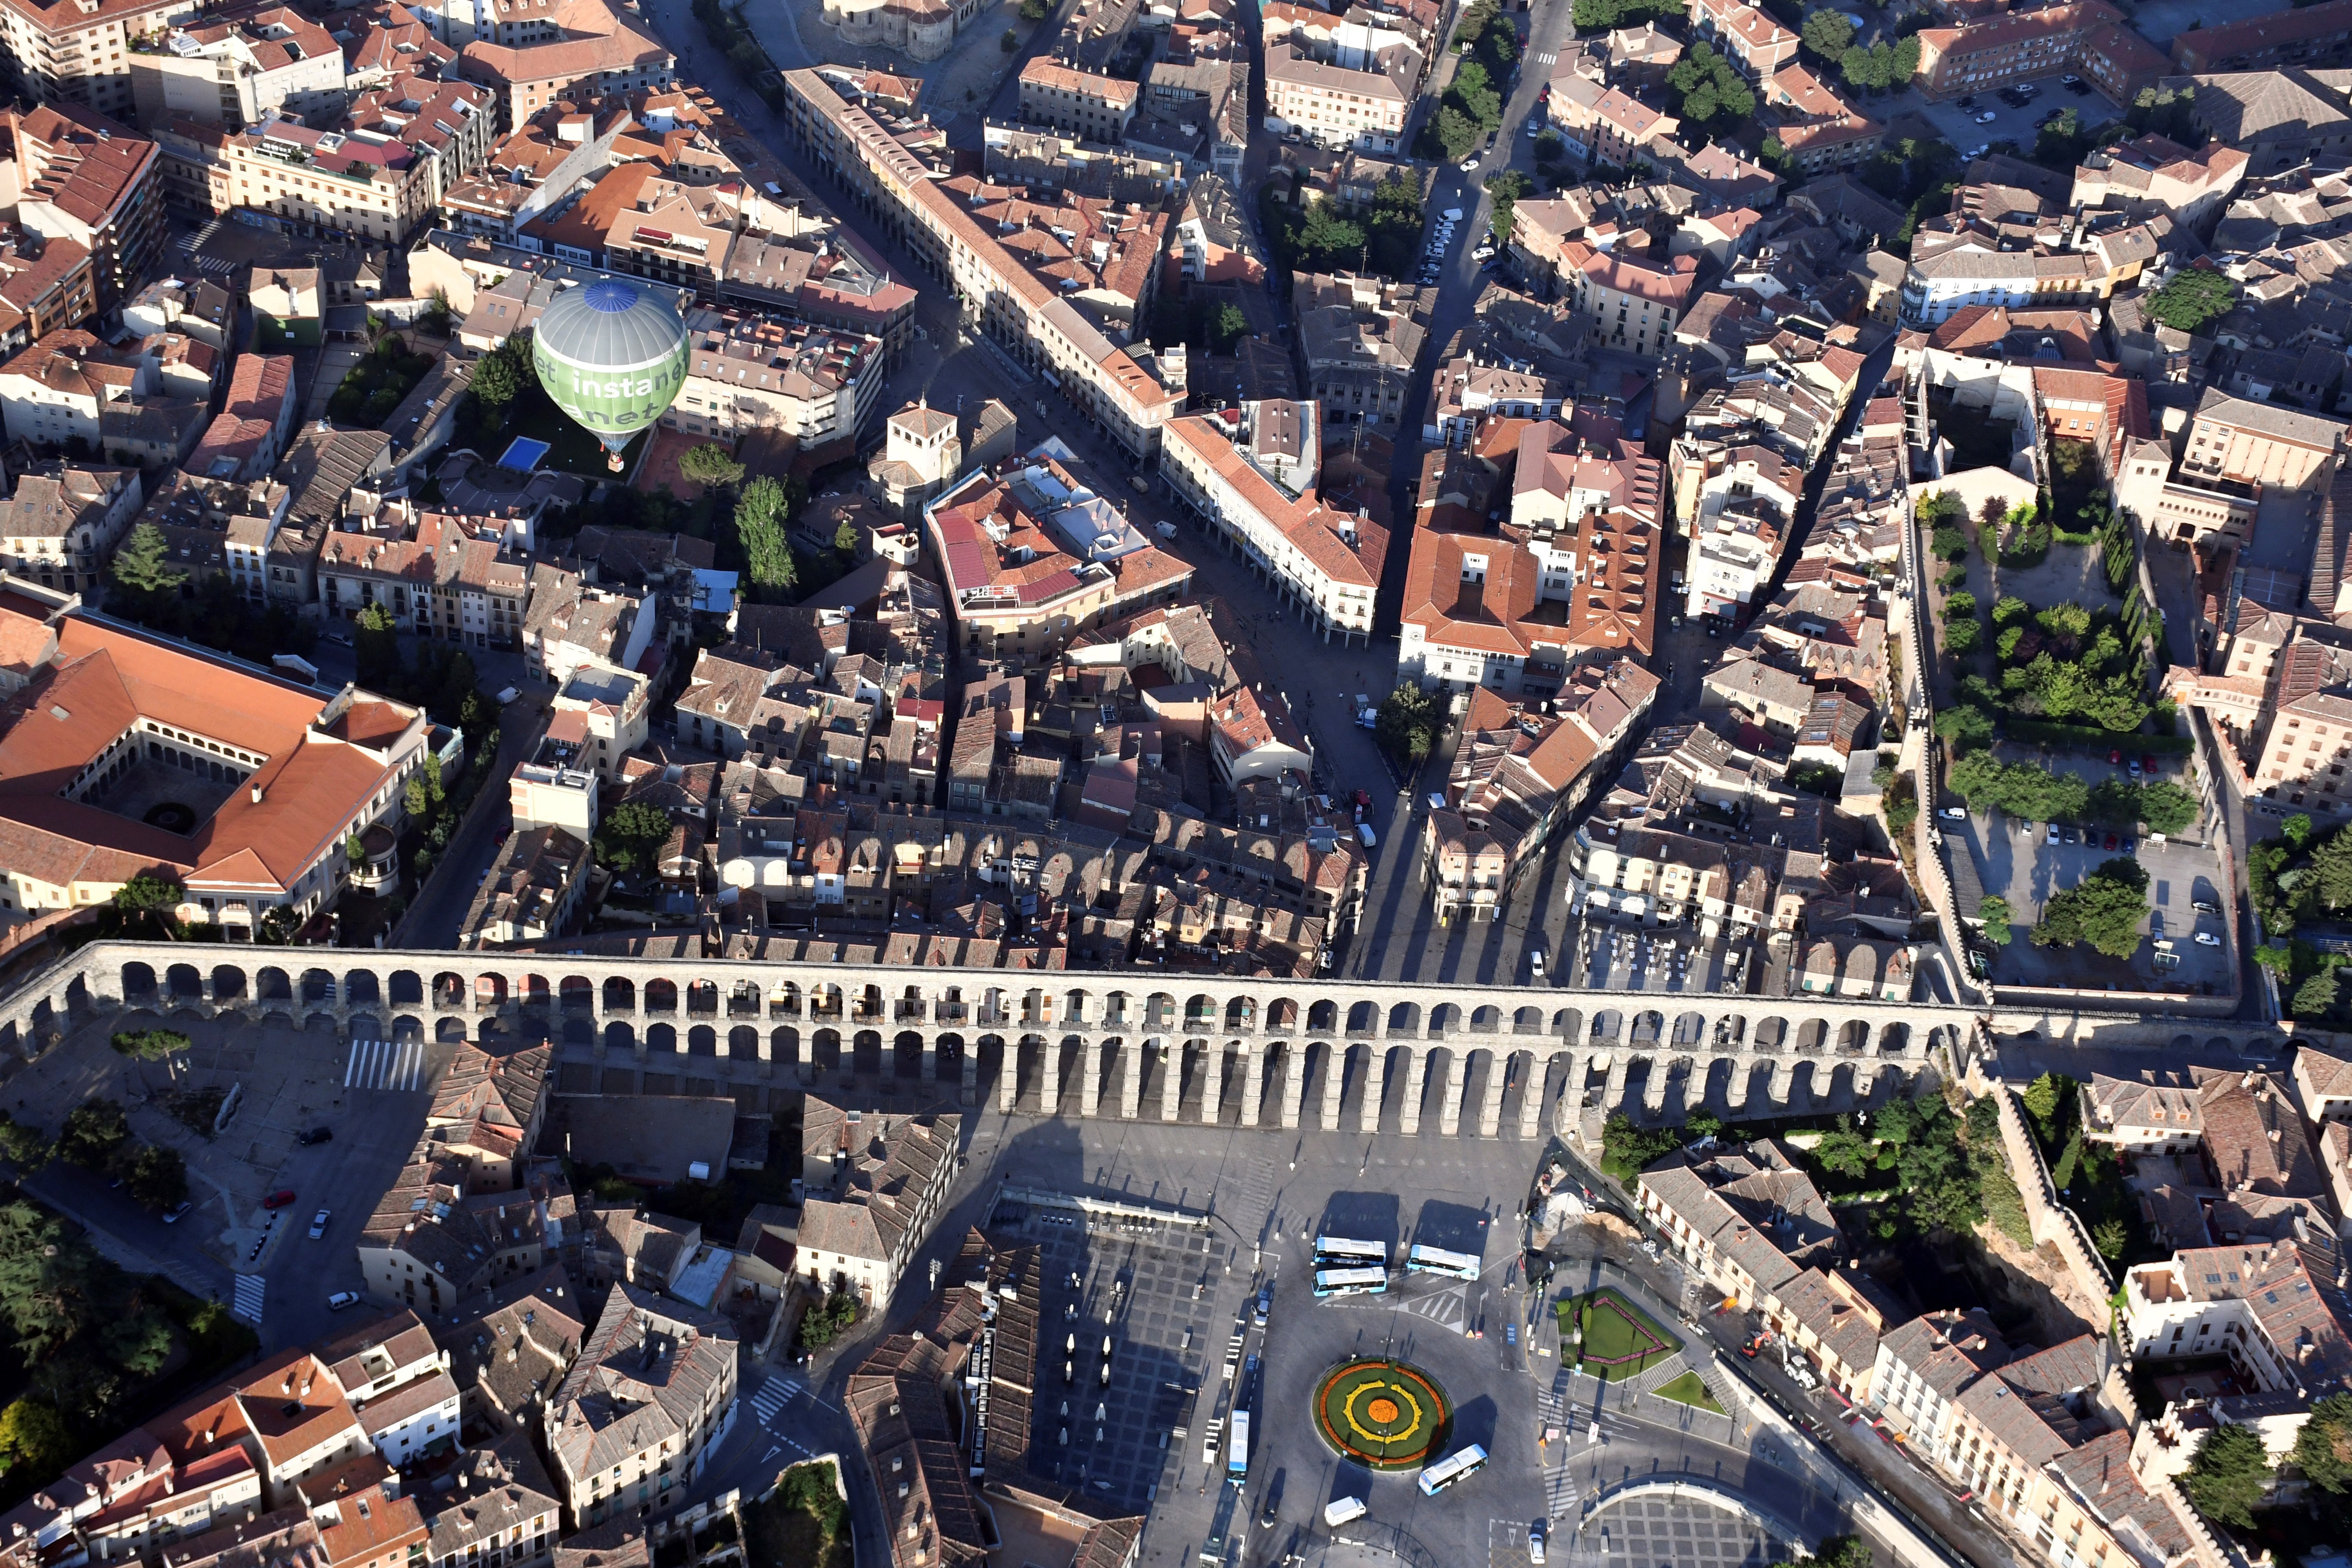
x=1550 y=57
x=384 y=1064
x=251 y=1291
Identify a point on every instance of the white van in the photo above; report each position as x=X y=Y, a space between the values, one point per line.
x=1339 y=1511
x=1364 y=831
x=507 y=695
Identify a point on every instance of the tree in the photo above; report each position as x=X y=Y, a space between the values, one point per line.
x=23 y=1145
x=1408 y=721
x=2068 y=620
x=2060 y=144
x=1710 y=87
x=376 y=645
x=500 y=376
x=2229 y=1476
x=1035 y=10
x=1994 y=912
x=2044 y=1099
x=35 y=1438
x=1966 y=727
x=2166 y=807
x=94 y=1130
x=2190 y=297
x=823 y=1322
x=1843 y=1151
x=1949 y=543
x=847 y=540
x=1963 y=637
x=157 y=1177
x=1961 y=607
x=631 y=835
x=1456 y=131
x=2316 y=995
x=711 y=464
x=147 y=901
x=2008 y=610
x=2103 y=910
x=2279 y=961
x=1010 y=41
x=2323 y=1449
x=1828 y=35
x=148 y=1044
x=2331 y=869
x=1505 y=187
x=760 y=517
x=142 y=565
x=2295 y=830
x=1626 y=1150
x=2111 y=1237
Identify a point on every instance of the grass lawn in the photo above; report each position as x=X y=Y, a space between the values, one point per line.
x=570 y=449
x=1688 y=1389
x=1620 y=1338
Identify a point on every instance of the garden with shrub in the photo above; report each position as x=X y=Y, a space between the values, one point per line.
x=2301 y=876
x=372 y=388
x=2088 y=1176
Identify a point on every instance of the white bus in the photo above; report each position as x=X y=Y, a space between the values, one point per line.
x=1350 y=1281
x=1437 y=1260
x=1237 y=1456
x=1338 y=1252
x=1452 y=1469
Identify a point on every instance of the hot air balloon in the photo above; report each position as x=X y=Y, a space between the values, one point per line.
x=611 y=355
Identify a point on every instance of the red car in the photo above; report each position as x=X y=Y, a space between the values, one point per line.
x=279 y=1200
x=1364 y=797
x=2147 y=764
x=2116 y=757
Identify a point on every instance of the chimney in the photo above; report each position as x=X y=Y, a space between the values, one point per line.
x=257 y=795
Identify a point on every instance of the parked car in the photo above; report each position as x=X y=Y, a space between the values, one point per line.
x=279 y=1200
x=1968 y=101
x=2133 y=767
x=317 y=1224
x=1535 y=962
x=1469 y=165
x=1957 y=813
x=1365 y=834
x=343 y=1298
x=1536 y=1543
x=2053 y=833
x=2205 y=906
x=1986 y=117
x=316 y=1135
x=2207 y=939
x=2147 y=763
x=2115 y=756
x=1483 y=253
x=2070 y=79
x=2069 y=836
x=1265 y=1302
x=177 y=1213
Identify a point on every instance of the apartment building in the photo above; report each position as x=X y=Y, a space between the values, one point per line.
x=2285 y=40
x=1759 y=44
x=355 y=181
x=452 y=580
x=70 y=386
x=1632 y=302
x=2086 y=36
x=2248 y=443
x=872 y=1187
x=60 y=527
x=635 y=1420
x=1363 y=110
x=1251 y=477
x=570 y=625
x=237 y=71
x=244 y=441
x=1746 y=497
x=45 y=284
x=78 y=54
x=1518 y=770
x=2153 y=174
x=1036 y=554
x=1819 y=131
x=84 y=178
x=1361 y=338
x=539 y=163
x=1085 y=104
x=1104 y=256
x=1750 y=1223
x=753 y=372
x=1106 y=382
x=432 y=1242
x=580 y=51
x=502 y=1511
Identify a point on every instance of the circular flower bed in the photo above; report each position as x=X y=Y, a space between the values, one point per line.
x=1383 y=1415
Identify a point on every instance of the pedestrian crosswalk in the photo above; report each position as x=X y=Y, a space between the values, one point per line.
x=1550 y=57
x=211 y=264
x=249 y=1295
x=1560 y=1492
x=385 y=1063
x=773 y=1396
x=1447 y=1308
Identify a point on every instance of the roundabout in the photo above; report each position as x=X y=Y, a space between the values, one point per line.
x=1383 y=1415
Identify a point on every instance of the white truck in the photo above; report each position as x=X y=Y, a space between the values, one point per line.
x=1340 y=1510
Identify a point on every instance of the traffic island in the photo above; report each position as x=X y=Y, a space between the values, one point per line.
x=1604 y=1335
x=1383 y=1415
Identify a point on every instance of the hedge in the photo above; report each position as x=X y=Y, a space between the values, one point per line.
x=2089 y=738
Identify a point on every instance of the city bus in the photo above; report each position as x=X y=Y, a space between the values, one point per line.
x=1350 y=1281
x=1237 y=1456
x=1437 y=1260
x=1452 y=1469
x=1338 y=1252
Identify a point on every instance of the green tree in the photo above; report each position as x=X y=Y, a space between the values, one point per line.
x=1505 y=187
x=1626 y=1150
x=2279 y=961
x=2331 y=867
x=1828 y=35
x=2190 y=297
x=2166 y=807
x=143 y=566
x=1963 y=637
x=2069 y=620
x=1035 y=10
x=148 y=1044
x=1709 y=88
x=1408 y=721
x=147 y=902
x=1961 y=607
x=1967 y=727
x=34 y=1439
x=2045 y=1099
x=2227 y=1478
x=1228 y=326
x=1843 y=1151
x=157 y=1177
x=22 y=1143
x=1456 y=133
x=760 y=517
x=2323 y=1449
x=2008 y=610
x=1948 y=542
x=500 y=376
x=711 y=464
x=94 y=1130
x=1995 y=913
x=2316 y=995
x=1010 y=41
x=2295 y=830
x=375 y=646
x=2112 y=1237
x=2103 y=910
x=631 y=835
x=845 y=540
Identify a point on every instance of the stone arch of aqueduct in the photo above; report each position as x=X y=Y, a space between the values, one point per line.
x=1098 y=1043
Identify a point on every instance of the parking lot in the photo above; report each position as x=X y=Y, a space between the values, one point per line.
x=2015 y=860
x=1624 y=958
x=1965 y=128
